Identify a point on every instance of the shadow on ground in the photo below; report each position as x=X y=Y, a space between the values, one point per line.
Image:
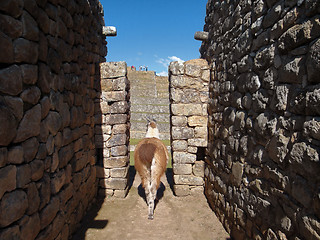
x=89 y=221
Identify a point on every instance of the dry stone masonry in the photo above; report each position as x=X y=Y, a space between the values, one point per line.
x=149 y=98
x=112 y=130
x=262 y=168
x=189 y=89
x=49 y=77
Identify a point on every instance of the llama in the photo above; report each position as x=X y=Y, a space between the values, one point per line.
x=151 y=157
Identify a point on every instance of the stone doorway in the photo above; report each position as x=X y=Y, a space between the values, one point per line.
x=128 y=97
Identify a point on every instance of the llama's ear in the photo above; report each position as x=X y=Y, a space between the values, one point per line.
x=148 y=119
x=154 y=120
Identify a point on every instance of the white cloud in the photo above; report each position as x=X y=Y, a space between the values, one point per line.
x=166 y=62
x=174 y=58
x=163 y=73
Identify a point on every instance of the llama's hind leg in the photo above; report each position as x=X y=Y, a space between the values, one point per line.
x=152 y=193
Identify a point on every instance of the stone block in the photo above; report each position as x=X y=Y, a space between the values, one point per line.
x=188 y=180
x=53 y=122
x=115 y=119
x=15 y=104
x=8 y=177
x=10 y=26
x=311 y=128
x=293 y=70
x=237 y=172
x=15 y=155
x=30 y=226
x=119 y=107
x=6 y=48
x=10 y=233
x=114 y=96
x=197 y=142
x=113 y=69
x=298 y=35
x=12 y=207
x=3 y=156
x=182 y=169
x=116 y=162
x=45 y=78
x=65 y=155
x=117 y=140
x=185 y=82
x=57 y=181
x=195 y=121
x=192 y=149
x=198 y=169
x=313 y=62
x=119 y=151
x=201 y=132
x=176 y=68
x=23 y=175
x=180 y=133
x=184 y=158
x=37 y=169
x=49 y=212
x=11 y=80
x=120 y=128
x=116 y=183
x=179 y=145
x=196 y=191
x=187 y=109
x=8 y=124
x=179 y=121
x=119 y=172
x=118 y=84
x=30 y=28
x=33 y=199
x=30 y=124
x=25 y=51
x=31 y=95
x=264 y=57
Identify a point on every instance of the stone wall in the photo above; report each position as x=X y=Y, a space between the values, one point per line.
x=188 y=90
x=112 y=130
x=262 y=167
x=49 y=69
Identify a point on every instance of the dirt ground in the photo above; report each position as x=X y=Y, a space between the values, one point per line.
x=174 y=217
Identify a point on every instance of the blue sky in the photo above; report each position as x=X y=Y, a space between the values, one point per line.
x=153 y=33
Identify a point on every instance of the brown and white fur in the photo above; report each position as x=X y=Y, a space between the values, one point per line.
x=151 y=157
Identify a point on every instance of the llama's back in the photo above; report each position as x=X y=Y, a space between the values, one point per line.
x=150 y=155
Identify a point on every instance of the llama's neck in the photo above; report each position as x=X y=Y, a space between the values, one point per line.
x=152 y=132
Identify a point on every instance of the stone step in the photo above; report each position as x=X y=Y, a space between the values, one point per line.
x=152 y=101
x=141 y=135
x=150 y=108
x=163 y=95
x=141 y=117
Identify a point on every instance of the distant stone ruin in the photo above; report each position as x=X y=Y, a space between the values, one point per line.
x=243 y=121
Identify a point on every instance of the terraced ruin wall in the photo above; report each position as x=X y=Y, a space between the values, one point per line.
x=49 y=78
x=262 y=167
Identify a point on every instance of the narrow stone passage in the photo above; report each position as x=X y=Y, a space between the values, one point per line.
x=175 y=217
